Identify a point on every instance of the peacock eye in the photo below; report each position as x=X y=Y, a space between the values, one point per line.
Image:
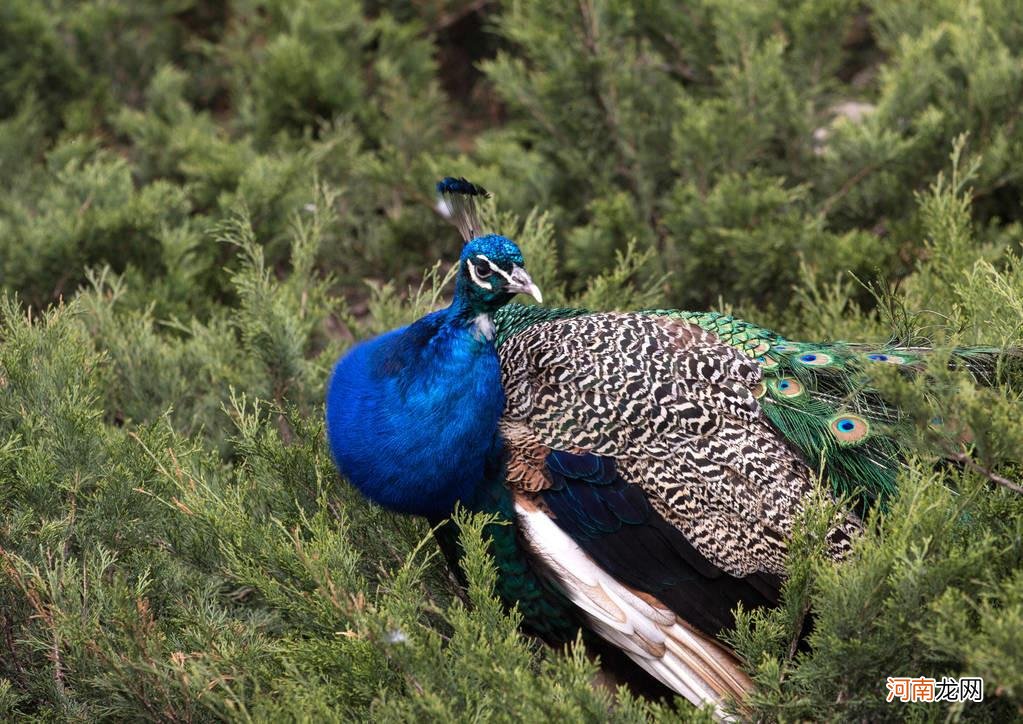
x=483 y=272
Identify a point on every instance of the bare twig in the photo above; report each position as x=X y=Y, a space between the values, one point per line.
x=680 y=68
x=446 y=20
x=961 y=457
x=58 y=668
x=7 y=626
x=794 y=643
x=283 y=426
x=43 y=612
x=848 y=186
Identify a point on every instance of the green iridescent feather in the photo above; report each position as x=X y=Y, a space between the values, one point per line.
x=545 y=610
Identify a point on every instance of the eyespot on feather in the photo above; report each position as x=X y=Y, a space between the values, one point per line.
x=766 y=363
x=786 y=387
x=892 y=359
x=848 y=428
x=785 y=348
x=814 y=358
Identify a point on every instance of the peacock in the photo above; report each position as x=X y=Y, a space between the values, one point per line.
x=649 y=466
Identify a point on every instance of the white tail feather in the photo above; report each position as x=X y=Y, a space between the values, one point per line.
x=683 y=659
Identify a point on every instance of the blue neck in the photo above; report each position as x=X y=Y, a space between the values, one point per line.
x=412 y=415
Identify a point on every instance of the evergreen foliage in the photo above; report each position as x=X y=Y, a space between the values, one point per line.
x=203 y=204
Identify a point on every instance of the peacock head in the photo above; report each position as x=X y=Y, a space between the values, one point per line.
x=491 y=272
x=491 y=269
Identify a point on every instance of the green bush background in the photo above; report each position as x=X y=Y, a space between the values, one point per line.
x=202 y=204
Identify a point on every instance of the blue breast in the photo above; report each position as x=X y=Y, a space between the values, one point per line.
x=412 y=416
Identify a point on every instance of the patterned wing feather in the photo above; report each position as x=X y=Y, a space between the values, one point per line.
x=676 y=409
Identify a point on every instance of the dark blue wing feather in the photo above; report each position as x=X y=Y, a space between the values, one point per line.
x=615 y=523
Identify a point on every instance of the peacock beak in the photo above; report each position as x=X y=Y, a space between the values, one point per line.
x=520 y=283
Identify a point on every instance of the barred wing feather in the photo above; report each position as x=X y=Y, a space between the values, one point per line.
x=651 y=486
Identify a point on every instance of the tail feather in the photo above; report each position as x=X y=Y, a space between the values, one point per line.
x=820 y=397
x=652 y=635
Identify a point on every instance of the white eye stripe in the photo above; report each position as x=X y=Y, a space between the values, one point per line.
x=475 y=277
x=495 y=268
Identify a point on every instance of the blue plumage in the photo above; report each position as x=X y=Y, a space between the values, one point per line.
x=412 y=415
x=495 y=247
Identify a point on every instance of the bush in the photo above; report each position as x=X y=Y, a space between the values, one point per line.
x=203 y=204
